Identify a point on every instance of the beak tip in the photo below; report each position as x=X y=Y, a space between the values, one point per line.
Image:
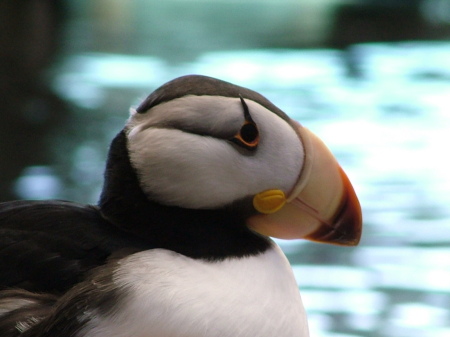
x=347 y=224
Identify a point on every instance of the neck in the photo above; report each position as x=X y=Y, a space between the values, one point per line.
x=206 y=234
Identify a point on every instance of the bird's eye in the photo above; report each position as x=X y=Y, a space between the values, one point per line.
x=248 y=135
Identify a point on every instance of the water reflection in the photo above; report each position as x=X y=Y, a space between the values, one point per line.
x=38 y=182
x=84 y=79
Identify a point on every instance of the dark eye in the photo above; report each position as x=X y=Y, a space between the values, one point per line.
x=248 y=136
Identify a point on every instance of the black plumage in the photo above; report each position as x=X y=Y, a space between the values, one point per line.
x=50 y=245
x=198 y=85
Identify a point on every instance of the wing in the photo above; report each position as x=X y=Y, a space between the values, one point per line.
x=50 y=245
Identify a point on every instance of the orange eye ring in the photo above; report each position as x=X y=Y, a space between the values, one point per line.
x=248 y=136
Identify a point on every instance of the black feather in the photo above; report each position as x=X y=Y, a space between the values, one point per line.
x=25 y=310
x=199 y=85
x=50 y=245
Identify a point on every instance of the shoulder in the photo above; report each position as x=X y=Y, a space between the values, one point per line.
x=52 y=244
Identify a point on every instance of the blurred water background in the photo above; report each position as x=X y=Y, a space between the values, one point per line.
x=371 y=78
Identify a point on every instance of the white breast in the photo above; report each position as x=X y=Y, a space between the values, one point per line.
x=170 y=295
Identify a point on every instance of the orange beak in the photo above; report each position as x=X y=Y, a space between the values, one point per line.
x=322 y=206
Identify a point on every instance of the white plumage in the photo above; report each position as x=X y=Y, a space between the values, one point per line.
x=172 y=295
x=196 y=171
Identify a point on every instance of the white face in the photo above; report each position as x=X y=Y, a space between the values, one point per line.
x=183 y=156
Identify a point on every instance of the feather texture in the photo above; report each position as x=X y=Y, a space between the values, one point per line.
x=50 y=245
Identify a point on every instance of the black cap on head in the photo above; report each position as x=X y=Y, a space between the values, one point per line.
x=199 y=85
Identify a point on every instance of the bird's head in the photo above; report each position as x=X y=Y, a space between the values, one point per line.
x=201 y=144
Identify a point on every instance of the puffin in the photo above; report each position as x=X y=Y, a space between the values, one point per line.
x=197 y=184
